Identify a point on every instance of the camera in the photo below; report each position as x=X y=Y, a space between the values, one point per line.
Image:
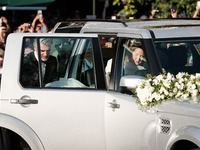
x=156 y=11
x=198 y=3
x=39 y=13
x=174 y=7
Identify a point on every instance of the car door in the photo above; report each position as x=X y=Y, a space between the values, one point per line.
x=126 y=126
x=68 y=111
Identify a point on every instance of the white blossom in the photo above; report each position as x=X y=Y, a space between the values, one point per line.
x=166 y=83
x=175 y=90
x=179 y=75
x=156 y=96
x=194 y=93
x=197 y=75
x=147 y=89
x=192 y=77
x=184 y=96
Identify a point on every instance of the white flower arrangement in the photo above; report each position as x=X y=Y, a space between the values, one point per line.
x=166 y=86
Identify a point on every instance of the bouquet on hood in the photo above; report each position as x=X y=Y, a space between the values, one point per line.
x=166 y=86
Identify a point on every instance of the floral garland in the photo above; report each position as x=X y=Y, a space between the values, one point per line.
x=166 y=86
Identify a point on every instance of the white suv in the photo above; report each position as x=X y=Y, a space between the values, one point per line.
x=89 y=105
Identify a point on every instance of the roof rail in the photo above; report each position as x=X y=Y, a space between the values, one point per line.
x=74 y=26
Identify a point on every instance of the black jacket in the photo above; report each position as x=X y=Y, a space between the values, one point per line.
x=30 y=71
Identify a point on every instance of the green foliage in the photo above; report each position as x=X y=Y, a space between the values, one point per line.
x=164 y=7
x=133 y=7
x=144 y=7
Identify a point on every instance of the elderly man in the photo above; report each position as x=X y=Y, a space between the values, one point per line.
x=30 y=70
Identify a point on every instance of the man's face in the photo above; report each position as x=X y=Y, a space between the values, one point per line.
x=138 y=56
x=45 y=52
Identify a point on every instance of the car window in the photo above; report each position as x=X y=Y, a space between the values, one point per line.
x=179 y=55
x=57 y=62
x=108 y=48
x=131 y=59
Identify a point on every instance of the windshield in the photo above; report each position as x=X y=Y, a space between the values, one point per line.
x=178 y=55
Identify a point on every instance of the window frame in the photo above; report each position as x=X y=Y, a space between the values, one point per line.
x=97 y=60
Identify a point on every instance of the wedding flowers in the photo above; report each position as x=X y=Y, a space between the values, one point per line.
x=166 y=86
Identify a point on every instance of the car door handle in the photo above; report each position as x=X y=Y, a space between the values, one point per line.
x=114 y=105
x=24 y=101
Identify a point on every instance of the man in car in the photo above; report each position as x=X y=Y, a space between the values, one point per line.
x=30 y=71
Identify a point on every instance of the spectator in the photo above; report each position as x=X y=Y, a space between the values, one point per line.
x=153 y=12
x=38 y=24
x=195 y=15
x=143 y=17
x=123 y=16
x=1 y=59
x=48 y=65
x=6 y=24
x=174 y=11
x=4 y=31
x=77 y=15
x=3 y=36
x=25 y=28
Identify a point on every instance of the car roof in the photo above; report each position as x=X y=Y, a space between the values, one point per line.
x=150 y=28
x=163 y=23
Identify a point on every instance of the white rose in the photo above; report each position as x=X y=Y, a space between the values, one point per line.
x=155 y=81
x=159 y=77
x=184 y=96
x=192 y=77
x=175 y=90
x=194 y=93
x=179 y=75
x=162 y=96
x=178 y=94
x=156 y=96
x=197 y=75
x=166 y=83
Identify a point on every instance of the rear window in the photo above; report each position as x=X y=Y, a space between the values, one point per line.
x=179 y=55
x=57 y=62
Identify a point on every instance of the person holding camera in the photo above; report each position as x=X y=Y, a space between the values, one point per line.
x=195 y=15
x=174 y=12
x=39 y=25
x=25 y=28
x=4 y=22
x=4 y=30
x=153 y=12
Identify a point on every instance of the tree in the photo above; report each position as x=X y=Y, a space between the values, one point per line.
x=183 y=6
x=133 y=7
x=144 y=7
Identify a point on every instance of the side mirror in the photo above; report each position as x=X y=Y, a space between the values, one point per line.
x=127 y=83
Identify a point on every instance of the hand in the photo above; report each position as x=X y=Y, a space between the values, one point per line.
x=153 y=12
x=36 y=18
x=25 y=28
x=41 y=19
x=197 y=8
x=174 y=14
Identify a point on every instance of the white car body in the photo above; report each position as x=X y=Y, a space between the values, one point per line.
x=92 y=119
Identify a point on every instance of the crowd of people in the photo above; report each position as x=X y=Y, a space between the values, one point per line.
x=38 y=24
x=35 y=25
x=174 y=13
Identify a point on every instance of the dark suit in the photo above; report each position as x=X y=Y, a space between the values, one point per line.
x=30 y=71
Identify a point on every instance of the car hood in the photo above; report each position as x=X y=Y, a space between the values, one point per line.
x=179 y=108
